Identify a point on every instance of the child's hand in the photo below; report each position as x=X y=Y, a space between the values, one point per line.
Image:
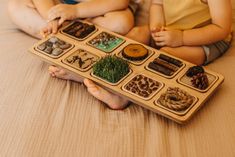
x=52 y=27
x=172 y=38
x=156 y=28
x=63 y=12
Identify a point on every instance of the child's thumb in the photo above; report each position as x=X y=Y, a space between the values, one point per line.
x=61 y=21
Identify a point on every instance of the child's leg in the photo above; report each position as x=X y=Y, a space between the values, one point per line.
x=194 y=55
x=25 y=16
x=140 y=34
x=112 y=100
x=120 y=22
x=62 y=74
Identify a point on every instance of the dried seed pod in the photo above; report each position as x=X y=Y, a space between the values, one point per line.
x=194 y=71
x=200 y=81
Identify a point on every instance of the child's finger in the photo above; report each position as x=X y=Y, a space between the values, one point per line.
x=54 y=27
x=155 y=29
x=160 y=43
x=52 y=12
x=152 y=29
x=52 y=17
x=61 y=20
x=49 y=30
x=44 y=32
x=158 y=39
x=159 y=34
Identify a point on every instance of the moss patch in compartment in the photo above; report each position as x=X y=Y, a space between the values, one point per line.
x=79 y=30
x=111 y=69
x=176 y=100
x=81 y=60
x=106 y=42
x=165 y=65
x=143 y=86
x=54 y=47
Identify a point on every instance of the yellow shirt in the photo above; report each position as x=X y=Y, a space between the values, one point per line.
x=185 y=14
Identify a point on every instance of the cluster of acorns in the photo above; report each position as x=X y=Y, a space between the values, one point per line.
x=199 y=78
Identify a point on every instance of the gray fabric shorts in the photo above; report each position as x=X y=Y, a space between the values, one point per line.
x=215 y=50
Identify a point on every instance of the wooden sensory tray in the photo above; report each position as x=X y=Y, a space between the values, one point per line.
x=81 y=45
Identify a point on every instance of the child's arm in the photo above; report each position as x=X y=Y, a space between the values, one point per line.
x=86 y=9
x=156 y=15
x=221 y=14
x=51 y=27
x=43 y=6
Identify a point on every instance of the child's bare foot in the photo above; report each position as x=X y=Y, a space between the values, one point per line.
x=62 y=74
x=140 y=34
x=113 y=101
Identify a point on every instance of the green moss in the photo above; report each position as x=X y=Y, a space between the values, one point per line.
x=111 y=68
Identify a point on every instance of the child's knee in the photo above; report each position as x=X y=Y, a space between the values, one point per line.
x=122 y=22
x=125 y=22
x=12 y=6
x=15 y=7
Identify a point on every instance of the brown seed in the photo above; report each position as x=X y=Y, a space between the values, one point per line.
x=42 y=47
x=48 y=50
x=57 y=51
x=65 y=46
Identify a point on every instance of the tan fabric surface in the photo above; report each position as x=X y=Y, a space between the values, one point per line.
x=45 y=117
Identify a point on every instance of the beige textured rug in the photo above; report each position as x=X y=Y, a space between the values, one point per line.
x=42 y=116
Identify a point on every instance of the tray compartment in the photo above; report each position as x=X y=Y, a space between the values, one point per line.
x=137 y=62
x=187 y=81
x=79 y=30
x=165 y=66
x=106 y=42
x=111 y=69
x=176 y=100
x=54 y=47
x=81 y=60
x=142 y=86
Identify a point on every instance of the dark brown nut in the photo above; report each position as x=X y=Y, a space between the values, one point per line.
x=42 y=47
x=49 y=44
x=61 y=42
x=48 y=50
x=53 y=39
x=56 y=45
x=65 y=46
x=57 y=51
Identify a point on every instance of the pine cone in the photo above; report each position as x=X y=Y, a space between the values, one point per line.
x=194 y=71
x=200 y=81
